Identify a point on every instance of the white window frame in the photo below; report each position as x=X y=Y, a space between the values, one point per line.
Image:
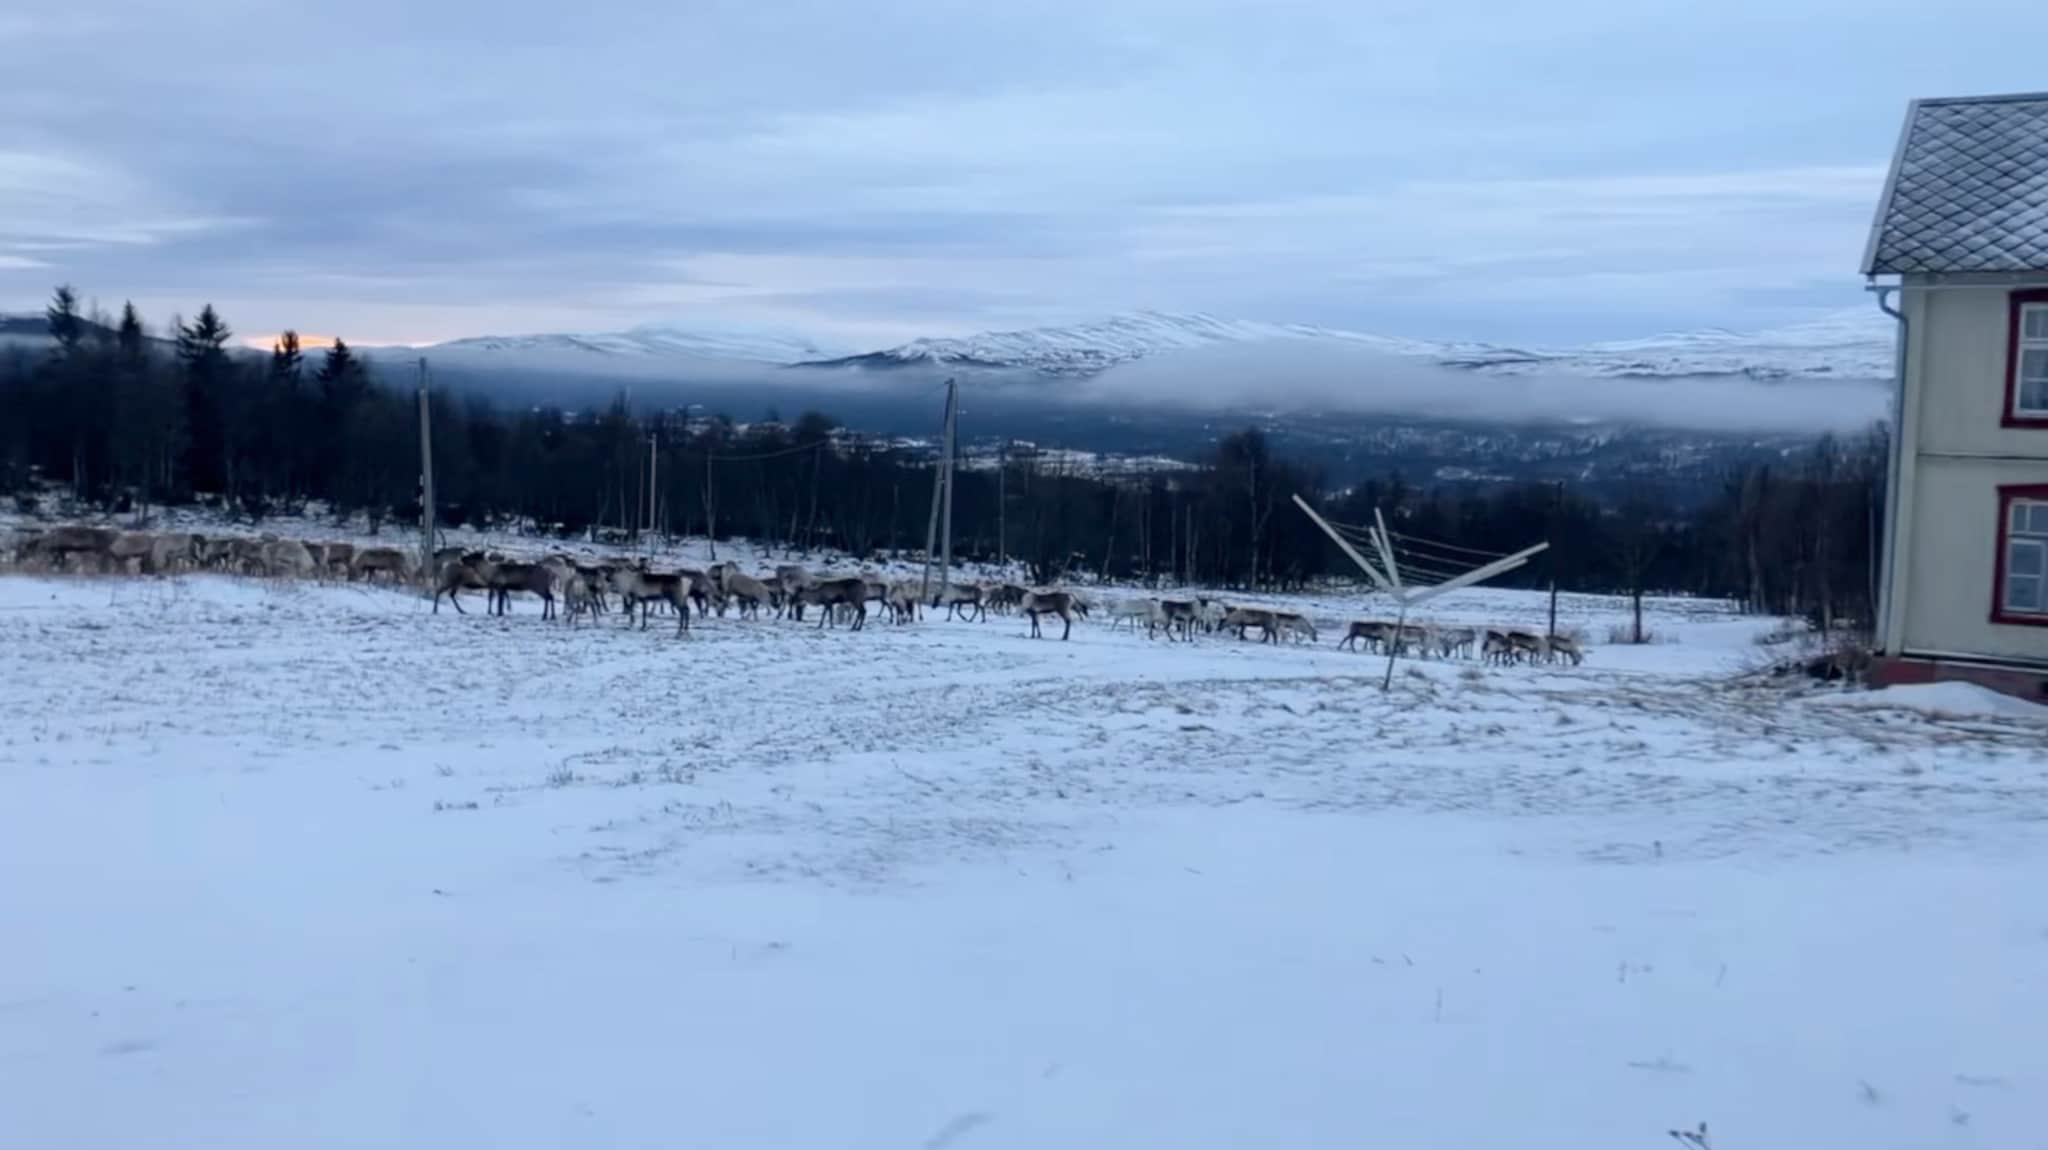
x=2022 y=344
x=2023 y=509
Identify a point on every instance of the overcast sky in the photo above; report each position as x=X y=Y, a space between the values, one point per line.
x=397 y=170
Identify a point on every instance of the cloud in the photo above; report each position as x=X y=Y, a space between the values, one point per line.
x=409 y=172
x=1308 y=377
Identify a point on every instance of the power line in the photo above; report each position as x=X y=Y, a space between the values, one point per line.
x=758 y=456
x=1418 y=541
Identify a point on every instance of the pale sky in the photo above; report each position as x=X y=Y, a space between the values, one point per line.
x=399 y=170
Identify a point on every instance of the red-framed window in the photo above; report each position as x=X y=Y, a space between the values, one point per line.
x=2019 y=591
x=2026 y=361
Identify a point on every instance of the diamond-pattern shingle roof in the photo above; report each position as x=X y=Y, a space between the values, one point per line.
x=1968 y=190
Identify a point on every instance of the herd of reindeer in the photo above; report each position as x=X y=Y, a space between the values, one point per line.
x=573 y=589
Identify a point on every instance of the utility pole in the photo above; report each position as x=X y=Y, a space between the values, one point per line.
x=1550 y=537
x=952 y=449
x=652 y=438
x=1003 y=505
x=710 y=506
x=942 y=502
x=426 y=477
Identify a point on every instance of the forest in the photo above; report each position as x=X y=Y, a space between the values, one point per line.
x=127 y=422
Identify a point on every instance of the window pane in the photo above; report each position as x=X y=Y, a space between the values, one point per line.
x=2033 y=395
x=2016 y=519
x=2037 y=514
x=2024 y=594
x=2034 y=321
x=2025 y=558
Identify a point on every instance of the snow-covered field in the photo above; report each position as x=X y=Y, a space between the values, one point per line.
x=310 y=866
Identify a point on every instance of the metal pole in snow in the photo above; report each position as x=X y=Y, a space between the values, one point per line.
x=426 y=477
x=952 y=441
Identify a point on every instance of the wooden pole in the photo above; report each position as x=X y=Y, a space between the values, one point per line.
x=931 y=530
x=952 y=448
x=426 y=477
x=710 y=507
x=1551 y=537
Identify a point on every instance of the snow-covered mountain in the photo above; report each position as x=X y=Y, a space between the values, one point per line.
x=647 y=343
x=1855 y=344
x=1847 y=345
x=1088 y=349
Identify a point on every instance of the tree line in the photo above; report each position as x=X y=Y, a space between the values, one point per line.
x=128 y=422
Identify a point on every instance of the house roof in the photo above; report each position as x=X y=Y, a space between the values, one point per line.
x=1968 y=190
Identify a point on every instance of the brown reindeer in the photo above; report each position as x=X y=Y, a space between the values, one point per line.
x=460 y=574
x=1374 y=634
x=389 y=562
x=333 y=558
x=1295 y=625
x=748 y=594
x=1060 y=603
x=961 y=599
x=1005 y=597
x=1241 y=618
x=68 y=544
x=534 y=578
x=579 y=597
x=829 y=594
x=644 y=588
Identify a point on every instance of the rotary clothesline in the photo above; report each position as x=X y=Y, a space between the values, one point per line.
x=1391 y=580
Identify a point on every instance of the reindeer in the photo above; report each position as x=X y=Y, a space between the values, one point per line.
x=1455 y=642
x=286 y=558
x=1496 y=647
x=333 y=558
x=827 y=594
x=1527 y=645
x=130 y=547
x=1134 y=611
x=961 y=599
x=462 y=573
x=1244 y=617
x=1295 y=625
x=389 y=562
x=60 y=544
x=703 y=590
x=1060 y=603
x=1182 y=614
x=903 y=601
x=749 y=593
x=534 y=578
x=1006 y=596
x=1564 y=647
x=216 y=554
x=1374 y=634
x=579 y=597
x=168 y=553
x=638 y=586
x=596 y=577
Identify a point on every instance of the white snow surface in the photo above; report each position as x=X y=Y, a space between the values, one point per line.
x=311 y=866
x=1952 y=698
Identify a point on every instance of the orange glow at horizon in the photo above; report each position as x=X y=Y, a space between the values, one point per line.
x=309 y=342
